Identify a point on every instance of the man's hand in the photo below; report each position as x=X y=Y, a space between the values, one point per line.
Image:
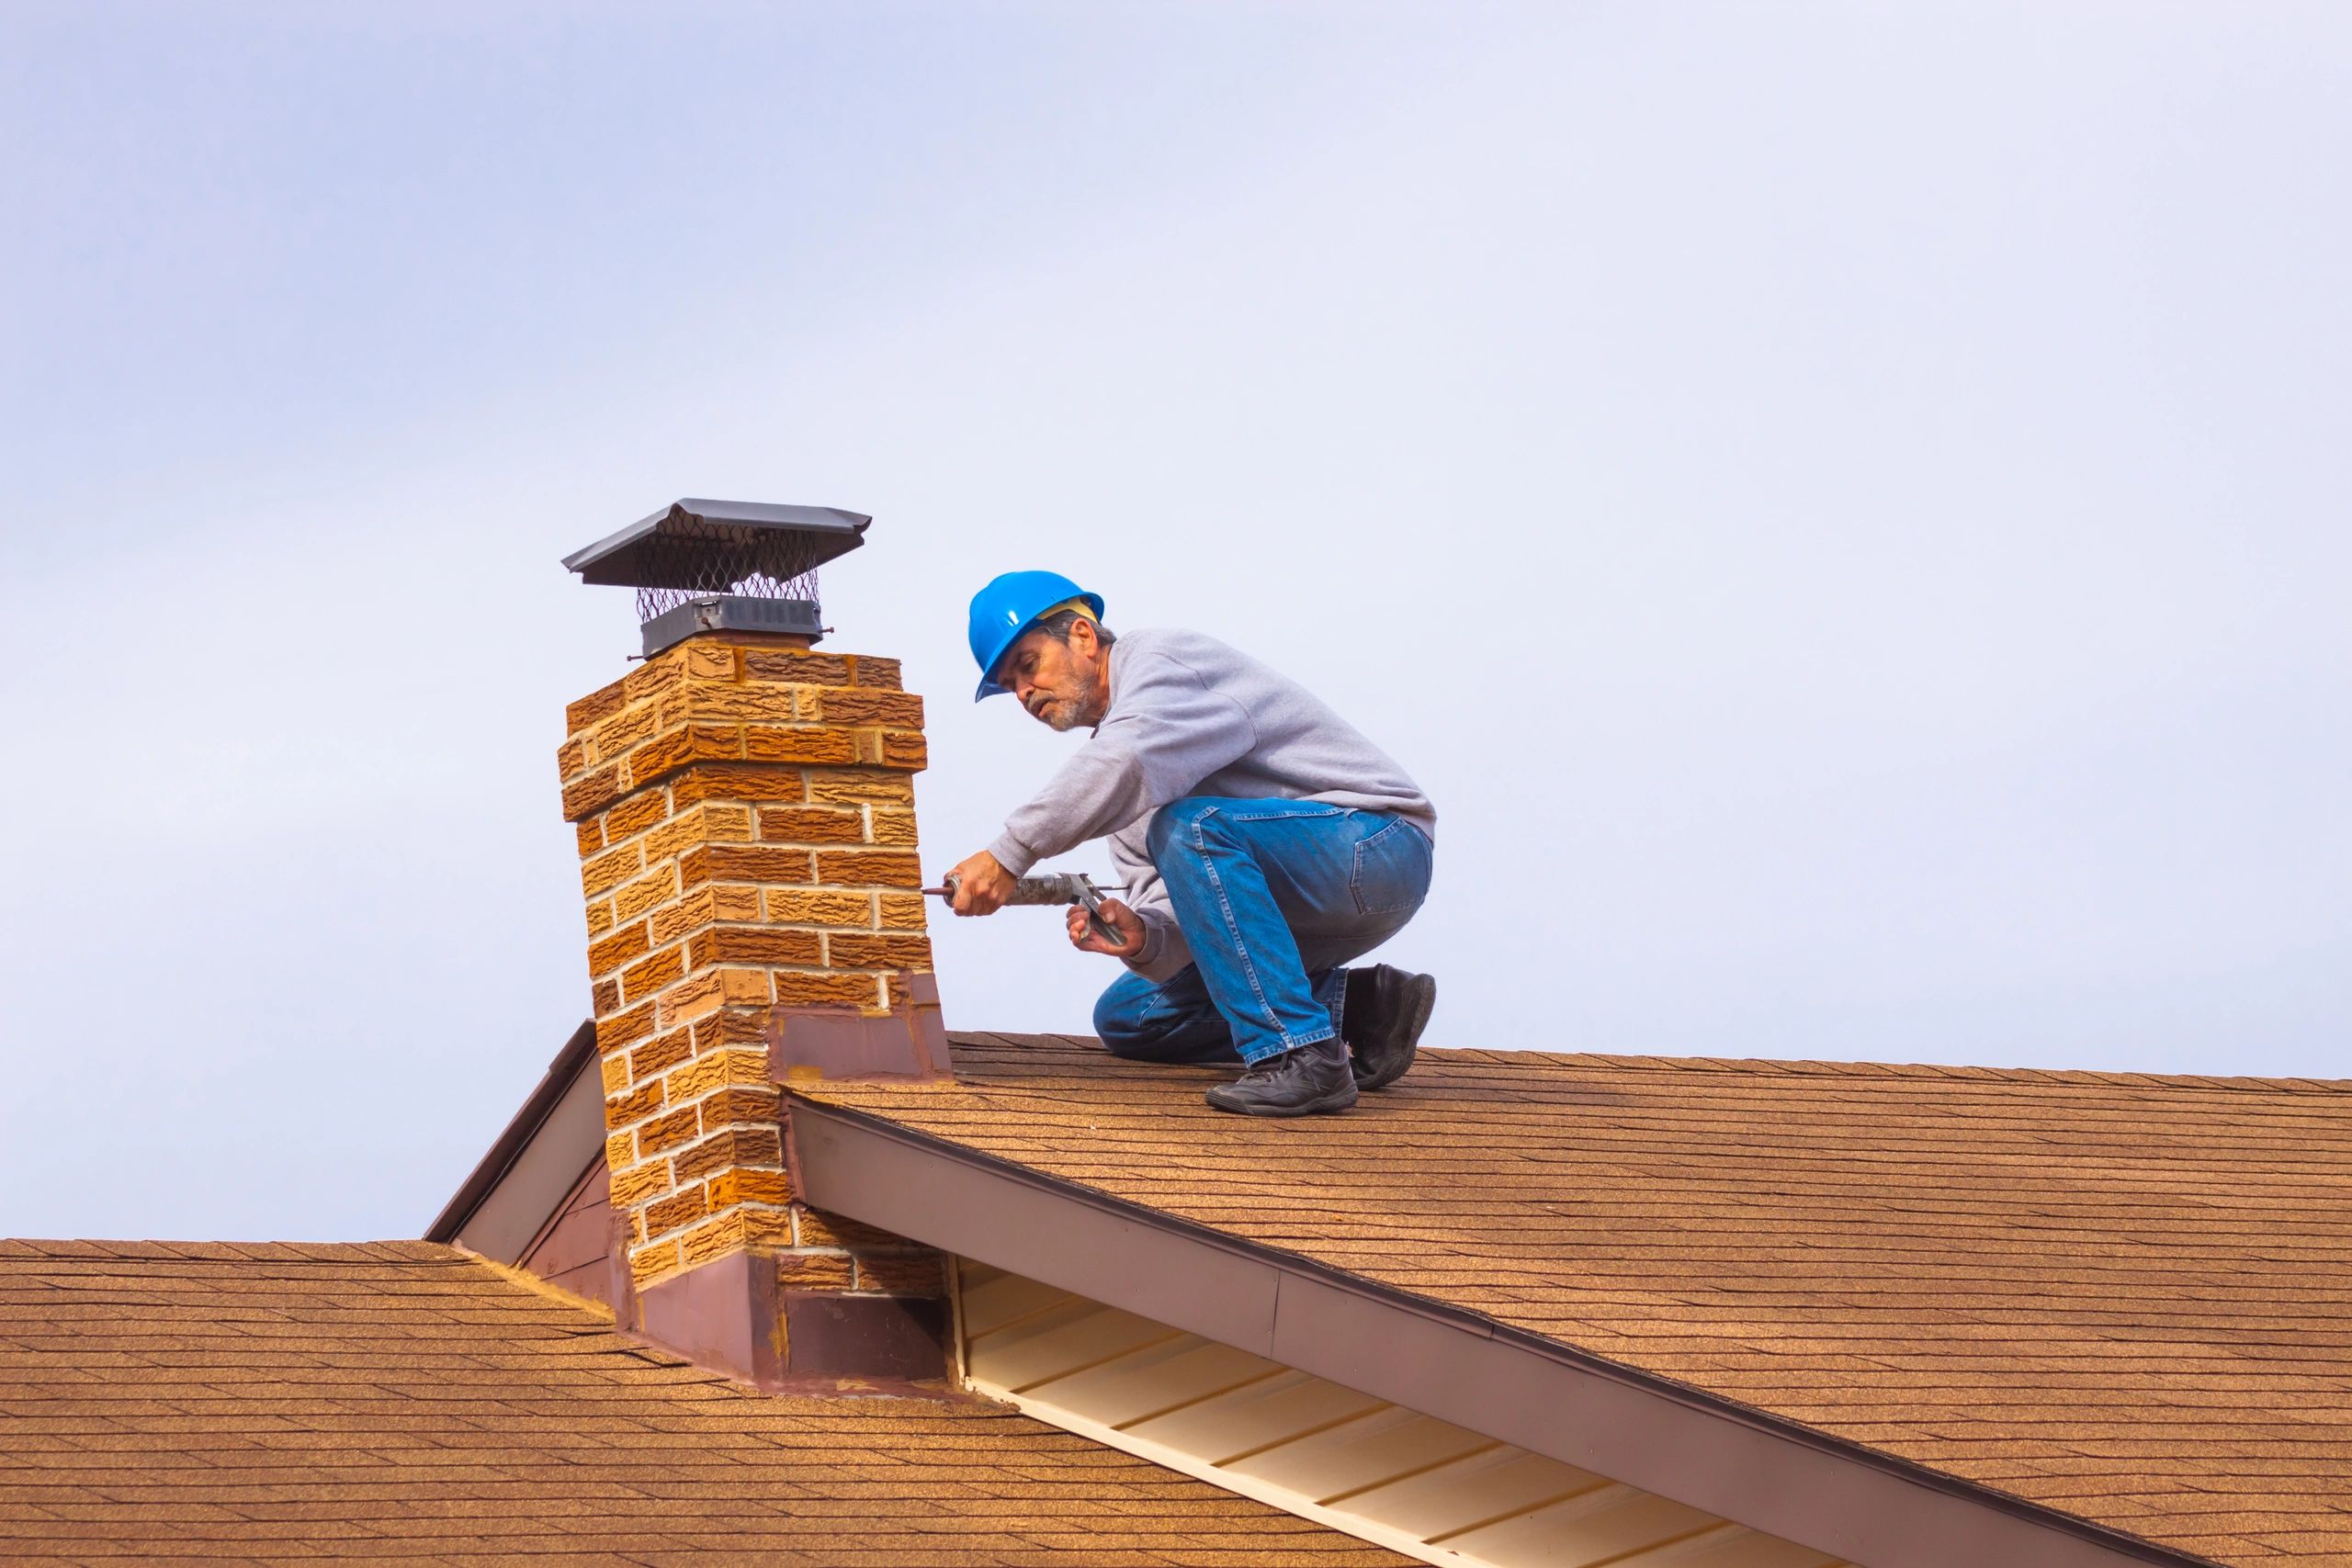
x=981 y=884
x=1125 y=922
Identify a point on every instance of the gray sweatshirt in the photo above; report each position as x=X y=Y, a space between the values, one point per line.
x=1191 y=715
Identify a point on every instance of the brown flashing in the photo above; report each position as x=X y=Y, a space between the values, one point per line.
x=508 y=1147
x=1648 y=1431
x=733 y=1315
x=910 y=1041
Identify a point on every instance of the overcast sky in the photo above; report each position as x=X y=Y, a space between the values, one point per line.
x=1843 y=507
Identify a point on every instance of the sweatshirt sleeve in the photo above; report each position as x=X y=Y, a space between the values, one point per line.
x=1169 y=730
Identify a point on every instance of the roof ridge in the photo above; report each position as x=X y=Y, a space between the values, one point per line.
x=1009 y=1041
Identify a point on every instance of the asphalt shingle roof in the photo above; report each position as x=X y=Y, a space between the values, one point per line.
x=402 y=1400
x=2121 y=1296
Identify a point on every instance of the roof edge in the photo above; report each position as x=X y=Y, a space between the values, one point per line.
x=1735 y=1461
x=516 y=1136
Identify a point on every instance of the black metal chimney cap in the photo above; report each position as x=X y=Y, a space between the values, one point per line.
x=692 y=543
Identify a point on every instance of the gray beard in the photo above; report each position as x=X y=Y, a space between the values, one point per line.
x=1062 y=717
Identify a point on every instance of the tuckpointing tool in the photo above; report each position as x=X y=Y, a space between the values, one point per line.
x=1058 y=887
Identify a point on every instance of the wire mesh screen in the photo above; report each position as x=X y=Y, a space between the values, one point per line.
x=694 y=559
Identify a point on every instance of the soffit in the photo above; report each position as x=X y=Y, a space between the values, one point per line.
x=401 y=1399
x=1429 y=1488
x=2120 y=1297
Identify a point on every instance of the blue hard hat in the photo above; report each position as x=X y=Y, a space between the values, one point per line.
x=1007 y=607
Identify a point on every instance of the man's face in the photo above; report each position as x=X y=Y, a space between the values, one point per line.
x=1061 y=684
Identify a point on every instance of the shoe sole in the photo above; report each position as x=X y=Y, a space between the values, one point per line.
x=1334 y=1102
x=1420 y=1001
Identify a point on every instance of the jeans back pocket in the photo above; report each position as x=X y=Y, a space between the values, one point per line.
x=1392 y=869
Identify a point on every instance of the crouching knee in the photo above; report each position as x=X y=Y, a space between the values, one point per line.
x=1119 y=1018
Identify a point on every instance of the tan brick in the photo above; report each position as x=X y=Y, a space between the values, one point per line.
x=634 y=899
x=676 y=1129
x=714 y=1239
x=815 y=1270
x=629 y=727
x=590 y=793
x=811 y=824
x=752 y=944
x=659 y=1055
x=627 y=1110
x=740 y=1104
x=731 y=1026
x=679 y=1210
x=595 y=705
x=731 y=1187
x=793 y=989
x=649 y=975
x=591 y=834
x=852 y=949
x=753 y=702
x=650 y=1265
x=867 y=669
x=796 y=743
x=902 y=1273
x=613 y=1070
x=867 y=868
x=705 y=824
x=691 y=913
x=623 y=1028
x=796 y=669
x=898 y=710
x=895 y=828
x=620 y=1150
x=740 y=1065
x=859 y=786
x=765 y=1224
x=617 y=949
x=759 y=782
x=635 y=815
x=905 y=749
x=604 y=995
x=637 y=1185
x=713 y=988
x=747 y=863
x=600 y=918
x=607 y=871
x=806 y=907
x=904 y=911
x=733 y=901
x=675 y=748
x=735 y=1148
x=817 y=1228
x=708 y=660
x=656 y=675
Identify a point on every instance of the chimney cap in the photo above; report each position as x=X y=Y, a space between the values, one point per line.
x=691 y=543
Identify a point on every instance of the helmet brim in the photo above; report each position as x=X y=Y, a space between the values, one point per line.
x=989 y=686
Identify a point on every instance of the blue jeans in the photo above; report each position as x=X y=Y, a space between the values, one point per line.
x=1274 y=896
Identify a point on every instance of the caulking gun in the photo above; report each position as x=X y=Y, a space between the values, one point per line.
x=1060 y=887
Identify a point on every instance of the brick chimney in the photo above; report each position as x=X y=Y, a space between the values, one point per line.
x=746 y=811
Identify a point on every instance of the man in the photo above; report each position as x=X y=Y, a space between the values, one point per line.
x=1262 y=842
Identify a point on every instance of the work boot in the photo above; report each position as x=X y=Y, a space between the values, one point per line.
x=1301 y=1081
x=1384 y=1015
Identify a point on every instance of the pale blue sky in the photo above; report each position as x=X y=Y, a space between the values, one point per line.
x=1844 y=507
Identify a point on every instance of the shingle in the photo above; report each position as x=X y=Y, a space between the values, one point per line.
x=2025 y=1278
x=399 y=1400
